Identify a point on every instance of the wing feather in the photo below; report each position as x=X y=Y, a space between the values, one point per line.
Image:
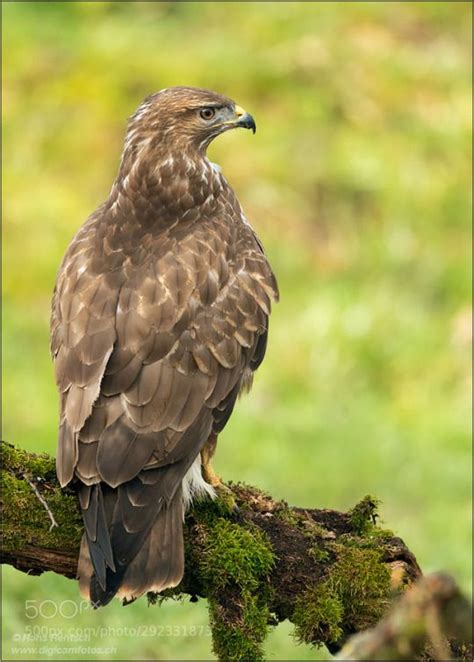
x=149 y=357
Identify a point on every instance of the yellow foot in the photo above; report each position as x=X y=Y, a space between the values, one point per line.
x=224 y=494
x=210 y=475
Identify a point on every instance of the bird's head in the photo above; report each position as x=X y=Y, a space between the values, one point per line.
x=185 y=118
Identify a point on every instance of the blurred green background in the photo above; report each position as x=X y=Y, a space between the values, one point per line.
x=358 y=183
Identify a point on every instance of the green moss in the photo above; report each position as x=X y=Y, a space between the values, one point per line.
x=20 y=502
x=318 y=553
x=353 y=597
x=364 y=515
x=235 y=564
x=317 y=616
x=15 y=460
x=382 y=535
x=239 y=636
x=173 y=593
x=235 y=554
x=363 y=520
x=207 y=510
x=362 y=581
x=287 y=514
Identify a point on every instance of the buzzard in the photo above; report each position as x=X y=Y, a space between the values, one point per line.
x=159 y=319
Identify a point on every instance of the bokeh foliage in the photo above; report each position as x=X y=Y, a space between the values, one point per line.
x=358 y=183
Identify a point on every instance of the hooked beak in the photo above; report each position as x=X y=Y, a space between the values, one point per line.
x=244 y=119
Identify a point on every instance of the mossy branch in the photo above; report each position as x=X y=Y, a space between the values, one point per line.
x=256 y=560
x=429 y=621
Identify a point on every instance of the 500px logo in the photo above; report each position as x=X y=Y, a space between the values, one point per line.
x=52 y=608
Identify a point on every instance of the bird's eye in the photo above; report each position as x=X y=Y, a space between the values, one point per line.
x=207 y=113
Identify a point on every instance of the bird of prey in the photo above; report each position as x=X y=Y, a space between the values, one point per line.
x=159 y=319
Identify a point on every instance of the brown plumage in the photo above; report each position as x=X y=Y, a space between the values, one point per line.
x=159 y=318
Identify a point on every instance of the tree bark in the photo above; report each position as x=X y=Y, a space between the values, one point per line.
x=257 y=560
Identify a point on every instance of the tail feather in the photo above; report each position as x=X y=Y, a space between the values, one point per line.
x=160 y=562
x=134 y=532
x=101 y=595
x=149 y=558
x=97 y=531
x=85 y=569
